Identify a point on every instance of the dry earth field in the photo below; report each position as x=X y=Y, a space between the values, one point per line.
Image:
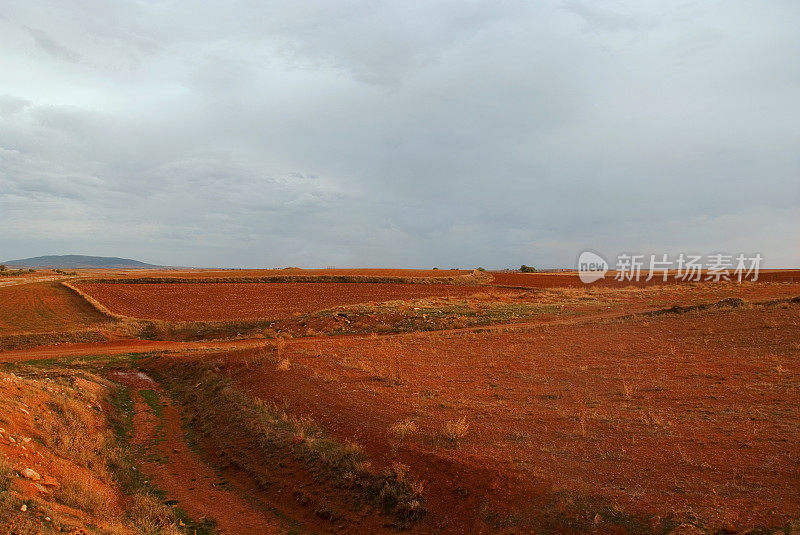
x=436 y=401
x=242 y=301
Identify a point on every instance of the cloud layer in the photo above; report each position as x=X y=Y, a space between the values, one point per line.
x=362 y=133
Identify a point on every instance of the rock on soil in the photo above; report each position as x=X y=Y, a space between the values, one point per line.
x=31 y=474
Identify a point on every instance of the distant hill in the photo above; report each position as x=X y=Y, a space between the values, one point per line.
x=73 y=261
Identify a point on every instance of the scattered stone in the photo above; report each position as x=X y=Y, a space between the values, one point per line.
x=31 y=474
x=23 y=508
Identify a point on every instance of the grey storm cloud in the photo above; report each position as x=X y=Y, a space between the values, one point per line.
x=362 y=133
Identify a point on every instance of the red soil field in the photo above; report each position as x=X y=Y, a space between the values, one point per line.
x=243 y=301
x=40 y=307
x=681 y=416
x=234 y=273
x=571 y=279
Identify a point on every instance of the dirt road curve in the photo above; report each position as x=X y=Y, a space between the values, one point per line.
x=120 y=347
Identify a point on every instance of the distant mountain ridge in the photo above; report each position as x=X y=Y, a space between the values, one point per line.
x=73 y=261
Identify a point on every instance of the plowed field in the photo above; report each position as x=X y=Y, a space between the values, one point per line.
x=215 y=273
x=242 y=301
x=44 y=307
x=571 y=279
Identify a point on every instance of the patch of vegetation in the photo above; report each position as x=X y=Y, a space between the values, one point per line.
x=567 y=512
x=208 y=526
x=495 y=520
x=122 y=420
x=150 y=515
x=199 y=330
x=151 y=398
x=83 y=493
x=26 y=340
x=527 y=269
x=356 y=319
x=6 y=476
x=15 y=272
x=404 y=428
x=455 y=430
x=398 y=317
x=84 y=362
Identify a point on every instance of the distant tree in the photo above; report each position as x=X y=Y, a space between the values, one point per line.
x=2 y=267
x=481 y=269
x=527 y=269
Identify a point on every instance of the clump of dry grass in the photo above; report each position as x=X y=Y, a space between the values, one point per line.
x=627 y=389
x=150 y=515
x=284 y=365
x=582 y=422
x=6 y=475
x=70 y=432
x=280 y=346
x=81 y=491
x=387 y=363
x=455 y=430
x=402 y=429
x=258 y=357
x=391 y=371
x=518 y=436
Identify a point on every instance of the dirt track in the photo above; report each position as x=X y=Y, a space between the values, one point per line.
x=121 y=347
x=179 y=472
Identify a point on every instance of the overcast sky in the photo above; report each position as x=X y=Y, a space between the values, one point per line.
x=409 y=134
